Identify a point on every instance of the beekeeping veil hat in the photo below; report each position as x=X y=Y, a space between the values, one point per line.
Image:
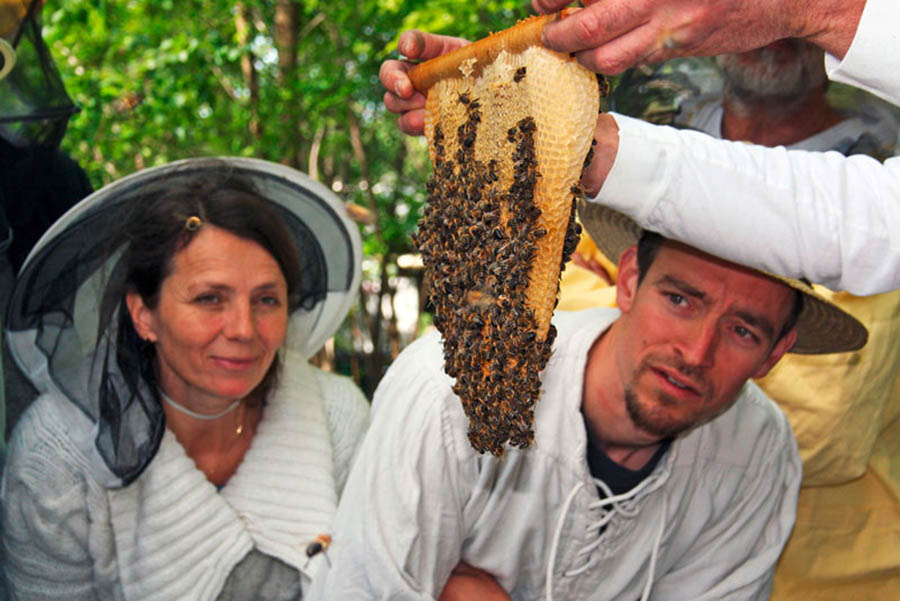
x=34 y=105
x=822 y=326
x=54 y=330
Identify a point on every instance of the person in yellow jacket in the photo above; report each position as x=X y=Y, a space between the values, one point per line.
x=844 y=408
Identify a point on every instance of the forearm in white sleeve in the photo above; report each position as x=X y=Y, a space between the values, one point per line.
x=831 y=219
x=873 y=61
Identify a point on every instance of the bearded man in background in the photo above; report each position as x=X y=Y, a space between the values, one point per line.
x=776 y=96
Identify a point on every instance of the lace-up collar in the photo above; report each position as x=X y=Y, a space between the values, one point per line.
x=609 y=507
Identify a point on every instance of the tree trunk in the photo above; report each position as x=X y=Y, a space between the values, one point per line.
x=315 y=147
x=242 y=27
x=393 y=330
x=376 y=363
x=359 y=152
x=287 y=17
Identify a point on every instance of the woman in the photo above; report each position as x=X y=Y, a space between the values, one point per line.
x=180 y=448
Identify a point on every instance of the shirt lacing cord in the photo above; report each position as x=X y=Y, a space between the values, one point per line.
x=611 y=505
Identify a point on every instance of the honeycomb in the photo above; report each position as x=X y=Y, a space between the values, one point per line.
x=508 y=140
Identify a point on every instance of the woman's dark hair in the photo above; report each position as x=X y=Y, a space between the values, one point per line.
x=648 y=247
x=155 y=229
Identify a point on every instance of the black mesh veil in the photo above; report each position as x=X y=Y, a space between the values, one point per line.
x=54 y=330
x=34 y=105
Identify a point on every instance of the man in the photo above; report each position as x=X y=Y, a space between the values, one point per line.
x=776 y=96
x=655 y=466
x=840 y=227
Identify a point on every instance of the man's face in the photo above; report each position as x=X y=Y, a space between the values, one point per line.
x=785 y=69
x=691 y=333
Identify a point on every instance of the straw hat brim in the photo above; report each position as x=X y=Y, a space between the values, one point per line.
x=822 y=326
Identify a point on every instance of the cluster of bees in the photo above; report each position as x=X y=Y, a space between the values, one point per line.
x=478 y=240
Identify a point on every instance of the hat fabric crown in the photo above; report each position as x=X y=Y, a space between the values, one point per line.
x=822 y=326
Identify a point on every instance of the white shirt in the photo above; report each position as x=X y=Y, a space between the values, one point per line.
x=832 y=219
x=708 y=523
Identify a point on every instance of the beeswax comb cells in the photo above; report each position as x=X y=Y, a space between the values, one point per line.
x=509 y=125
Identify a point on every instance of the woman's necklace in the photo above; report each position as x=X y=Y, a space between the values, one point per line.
x=203 y=416
x=212 y=472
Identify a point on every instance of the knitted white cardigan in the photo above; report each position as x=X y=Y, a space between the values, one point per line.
x=170 y=534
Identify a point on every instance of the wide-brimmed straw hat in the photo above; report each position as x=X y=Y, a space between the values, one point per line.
x=822 y=326
x=53 y=329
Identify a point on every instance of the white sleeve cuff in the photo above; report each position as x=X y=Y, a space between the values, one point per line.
x=872 y=62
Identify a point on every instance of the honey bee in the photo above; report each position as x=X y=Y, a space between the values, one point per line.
x=477 y=242
x=319 y=545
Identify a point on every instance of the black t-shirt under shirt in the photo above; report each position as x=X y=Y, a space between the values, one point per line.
x=620 y=479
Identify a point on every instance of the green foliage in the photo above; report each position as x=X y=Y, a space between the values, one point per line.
x=159 y=81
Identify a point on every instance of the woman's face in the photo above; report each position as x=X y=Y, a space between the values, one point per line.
x=221 y=317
